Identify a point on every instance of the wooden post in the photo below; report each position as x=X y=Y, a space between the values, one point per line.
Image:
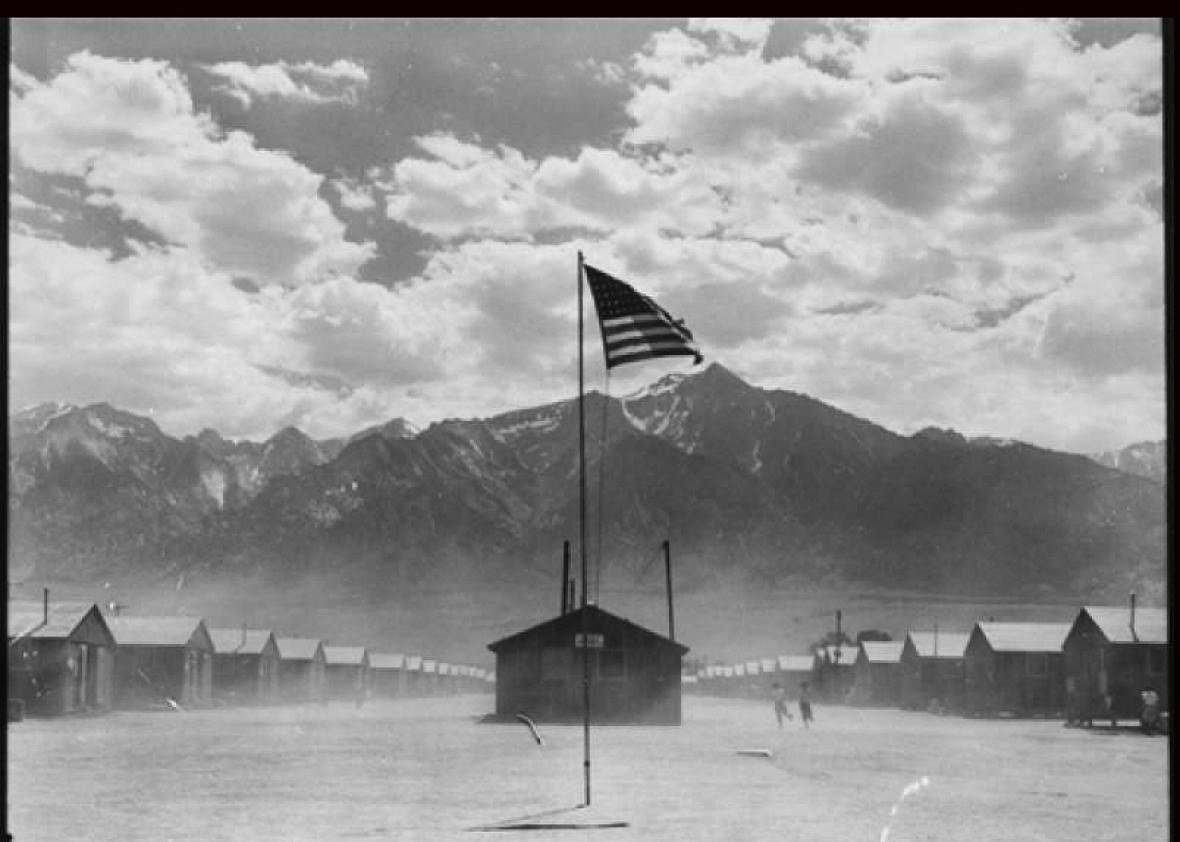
x=565 y=577
x=668 y=578
x=582 y=534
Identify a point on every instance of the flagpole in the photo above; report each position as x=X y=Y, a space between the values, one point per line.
x=582 y=542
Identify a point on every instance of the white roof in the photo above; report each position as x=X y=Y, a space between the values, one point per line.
x=844 y=655
x=1024 y=637
x=1151 y=624
x=154 y=631
x=883 y=651
x=344 y=655
x=239 y=642
x=28 y=617
x=297 y=648
x=795 y=663
x=940 y=645
x=384 y=661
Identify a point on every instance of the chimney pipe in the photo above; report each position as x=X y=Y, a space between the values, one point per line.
x=1132 y=614
x=565 y=577
x=45 y=606
x=668 y=577
x=243 y=646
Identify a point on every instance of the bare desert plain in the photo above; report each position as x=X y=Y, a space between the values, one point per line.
x=429 y=769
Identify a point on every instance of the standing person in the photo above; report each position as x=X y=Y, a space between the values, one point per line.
x=805 y=705
x=780 y=704
x=1073 y=712
x=1149 y=719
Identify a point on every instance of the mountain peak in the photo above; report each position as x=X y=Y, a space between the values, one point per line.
x=113 y=422
x=394 y=428
x=289 y=434
x=45 y=408
x=1146 y=459
x=667 y=383
x=938 y=434
x=717 y=374
x=210 y=435
x=33 y=418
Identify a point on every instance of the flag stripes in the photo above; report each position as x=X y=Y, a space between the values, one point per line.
x=633 y=326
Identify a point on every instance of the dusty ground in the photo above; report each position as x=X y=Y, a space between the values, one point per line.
x=426 y=769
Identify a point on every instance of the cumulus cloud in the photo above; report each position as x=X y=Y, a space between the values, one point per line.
x=465 y=190
x=356 y=197
x=735 y=33
x=739 y=104
x=131 y=131
x=920 y=221
x=159 y=332
x=19 y=80
x=155 y=331
x=917 y=159
x=301 y=82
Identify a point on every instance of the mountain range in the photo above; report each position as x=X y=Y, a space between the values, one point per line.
x=1146 y=458
x=765 y=487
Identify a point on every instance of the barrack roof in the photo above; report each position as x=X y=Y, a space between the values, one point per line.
x=882 y=651
x=298 y=648
x=237 y=642
x=1151 y=624
x=940 y=644
x=1024 y=637
x=155 y=631
x=344 y=655
x=26 y=618
x=795 y=663
x=384 y=661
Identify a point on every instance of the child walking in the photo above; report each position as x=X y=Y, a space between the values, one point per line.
x=805 y=705
x=781 y=710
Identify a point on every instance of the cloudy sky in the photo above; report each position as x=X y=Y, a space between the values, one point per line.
x=251 y=224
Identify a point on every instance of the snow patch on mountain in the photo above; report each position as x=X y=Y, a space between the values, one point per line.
x=541 y=422
x=110 y=429
x=668 y=417
x=666 y=384
x=213 y=481
x=57 y=444
x=40 y=415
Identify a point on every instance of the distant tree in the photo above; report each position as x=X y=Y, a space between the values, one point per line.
x=872 y=634
x=830 y=639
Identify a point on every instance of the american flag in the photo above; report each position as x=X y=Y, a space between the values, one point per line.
x=634 y=327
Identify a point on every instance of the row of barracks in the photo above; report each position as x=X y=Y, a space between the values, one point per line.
x=70 y=657
x=1092 y=668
